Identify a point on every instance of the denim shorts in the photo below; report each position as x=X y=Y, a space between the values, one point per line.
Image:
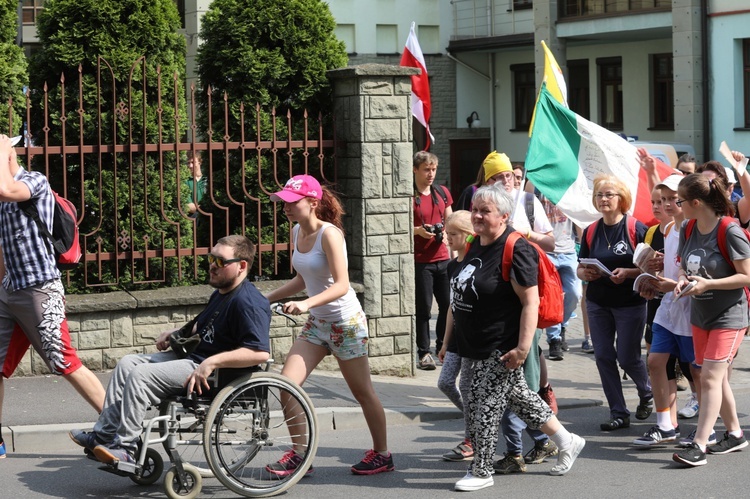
x=346 y=339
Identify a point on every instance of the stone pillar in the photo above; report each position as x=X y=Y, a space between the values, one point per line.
x=545 y=28
x=374 y=160
x=687 y=67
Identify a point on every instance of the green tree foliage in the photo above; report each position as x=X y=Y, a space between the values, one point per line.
x=129 y=45
x=275 y=54
x=270 y=52
x=13 y=75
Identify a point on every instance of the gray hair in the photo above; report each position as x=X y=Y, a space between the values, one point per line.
x=496 y=195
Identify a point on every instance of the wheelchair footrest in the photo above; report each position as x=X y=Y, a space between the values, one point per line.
x=120 y=468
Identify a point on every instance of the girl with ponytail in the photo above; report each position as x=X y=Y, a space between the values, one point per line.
x=336 y=323
x=714 y=268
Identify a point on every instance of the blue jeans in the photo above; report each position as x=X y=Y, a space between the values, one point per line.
x=566 y=264
x=513 y=433
x=617 y=333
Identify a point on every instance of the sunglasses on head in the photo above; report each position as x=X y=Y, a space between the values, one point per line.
x=221 y=262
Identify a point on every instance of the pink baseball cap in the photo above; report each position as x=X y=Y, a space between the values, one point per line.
x=298 y=187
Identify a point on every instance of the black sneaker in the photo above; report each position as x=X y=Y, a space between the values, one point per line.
x=644 y=409
x=563 y=343
x=727 y=444
x=374 y=462
x=555 y=350
x=692 y=456
x=655 y=436
x=615 y=424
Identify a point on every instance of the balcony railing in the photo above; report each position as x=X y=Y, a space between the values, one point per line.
x=483 y=18
x=585 y=8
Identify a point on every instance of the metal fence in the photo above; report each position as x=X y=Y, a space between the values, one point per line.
x=121 y=159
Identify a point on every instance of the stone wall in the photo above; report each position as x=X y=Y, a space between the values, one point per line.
x=105 y=327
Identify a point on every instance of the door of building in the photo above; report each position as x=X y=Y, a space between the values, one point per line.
x=466 y=159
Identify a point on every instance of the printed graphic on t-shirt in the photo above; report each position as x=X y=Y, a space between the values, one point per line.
x=620 y=248
x=463 y=283
x=208 y=334
x=695 y=264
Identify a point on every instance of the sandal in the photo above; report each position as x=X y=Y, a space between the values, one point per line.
x=462 y=452
x=615 y=424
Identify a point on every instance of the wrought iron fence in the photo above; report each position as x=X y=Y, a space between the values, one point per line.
x=121 y=159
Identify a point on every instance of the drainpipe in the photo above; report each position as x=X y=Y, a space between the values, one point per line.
x=705 y=77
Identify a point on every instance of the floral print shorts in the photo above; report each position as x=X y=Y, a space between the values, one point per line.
x=346 y=339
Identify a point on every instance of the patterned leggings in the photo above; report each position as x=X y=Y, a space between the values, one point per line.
x=493 y=389
x=452 y=366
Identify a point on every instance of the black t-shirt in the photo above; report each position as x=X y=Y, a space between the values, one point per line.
x=611 y=245
x=486 y=310
x=451 y=345
x=244 y=321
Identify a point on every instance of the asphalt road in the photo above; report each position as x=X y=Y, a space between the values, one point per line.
x=608 y=467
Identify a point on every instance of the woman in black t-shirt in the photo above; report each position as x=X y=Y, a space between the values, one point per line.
x=498 y=338
x=617 y=314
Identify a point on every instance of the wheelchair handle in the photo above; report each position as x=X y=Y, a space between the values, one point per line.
x=278 y=308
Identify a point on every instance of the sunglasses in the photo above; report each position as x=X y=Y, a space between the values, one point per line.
x=221 y=262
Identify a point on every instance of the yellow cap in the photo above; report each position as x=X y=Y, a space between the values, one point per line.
x=495 y=163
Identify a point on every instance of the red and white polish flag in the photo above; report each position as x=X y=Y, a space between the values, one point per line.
x=420 y=84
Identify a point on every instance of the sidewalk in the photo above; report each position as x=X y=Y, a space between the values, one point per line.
x=40 y=410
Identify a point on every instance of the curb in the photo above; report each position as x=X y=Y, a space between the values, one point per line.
x=47 y=438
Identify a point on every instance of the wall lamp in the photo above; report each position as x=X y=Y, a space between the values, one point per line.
x=473 y=120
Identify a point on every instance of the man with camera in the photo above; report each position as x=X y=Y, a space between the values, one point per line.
x=432 y=205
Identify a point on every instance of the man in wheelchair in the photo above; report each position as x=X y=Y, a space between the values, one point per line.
x=233 y=331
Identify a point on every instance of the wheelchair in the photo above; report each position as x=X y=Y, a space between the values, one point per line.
x=247 y=421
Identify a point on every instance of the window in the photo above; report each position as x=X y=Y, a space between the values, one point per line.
x=662 y=91
x=386 y=39
x=746 y=78
x=610 y=92
x=578 y=88
x=524 y=95
x=30 y=10
x=429 y=38
x=522 y=4
x=181 y=11
x=345 y=33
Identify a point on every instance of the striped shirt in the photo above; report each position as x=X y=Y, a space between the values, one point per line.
x=29 y=257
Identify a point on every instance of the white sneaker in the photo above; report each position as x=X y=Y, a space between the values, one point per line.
x=691 y=408
x=566 y=457
x=471 y=482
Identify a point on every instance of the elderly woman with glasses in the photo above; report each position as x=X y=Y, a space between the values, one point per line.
x=498 y=338
x=617 y=314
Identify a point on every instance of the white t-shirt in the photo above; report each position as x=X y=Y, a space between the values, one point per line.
x=520 y=222
x=674 y=316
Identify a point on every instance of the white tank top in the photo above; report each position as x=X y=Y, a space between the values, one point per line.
x=313 y=267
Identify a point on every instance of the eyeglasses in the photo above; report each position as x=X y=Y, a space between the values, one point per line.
x=221 y=262
x=679 y=202
x=606 y=195
x=499 y=177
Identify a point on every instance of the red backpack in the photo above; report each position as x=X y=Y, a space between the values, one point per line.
x=548 y=281
x=631 y=231
x=64 y=236
x=721 y=236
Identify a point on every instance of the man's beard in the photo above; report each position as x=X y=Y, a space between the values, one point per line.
x=220 y=283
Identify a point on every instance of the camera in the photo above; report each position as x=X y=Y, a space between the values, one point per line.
x=436 y=229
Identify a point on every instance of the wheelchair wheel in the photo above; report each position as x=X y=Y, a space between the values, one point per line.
x=189 y=439
x=153 y=467
x=176 y=490
x=253 y=423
